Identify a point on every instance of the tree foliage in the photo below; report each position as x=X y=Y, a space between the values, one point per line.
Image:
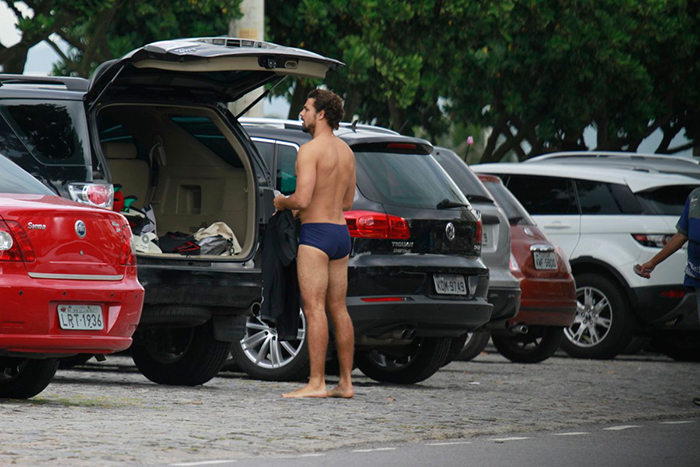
x=98 y=30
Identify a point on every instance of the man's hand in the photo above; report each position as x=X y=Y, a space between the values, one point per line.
x=279 y=200
x=645 y=269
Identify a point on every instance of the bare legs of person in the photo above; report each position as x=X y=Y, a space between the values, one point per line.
x=322 y=282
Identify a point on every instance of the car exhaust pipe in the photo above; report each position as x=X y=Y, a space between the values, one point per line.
x=519 y=329
x=407 y=334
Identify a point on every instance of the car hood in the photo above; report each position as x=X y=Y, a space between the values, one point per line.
x=219 y=69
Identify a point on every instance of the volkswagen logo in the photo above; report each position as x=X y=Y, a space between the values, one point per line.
x=450 y=231
x=80 y=229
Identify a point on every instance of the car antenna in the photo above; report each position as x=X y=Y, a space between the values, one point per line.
x=353 y=127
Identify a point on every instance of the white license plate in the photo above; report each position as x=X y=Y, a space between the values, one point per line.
x=486 y=238
x=450 y=284
x=80 y=317
x=545 y=260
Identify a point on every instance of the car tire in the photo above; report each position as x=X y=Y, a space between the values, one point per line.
x=264 y=357
x=604 y=324
x=682 y=346
x=183 y=356
x=22 y=378
x=475 y=344
x=406 y=364
x=536 y=346
x=456 y=346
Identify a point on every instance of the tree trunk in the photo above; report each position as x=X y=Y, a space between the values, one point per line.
x=302 y=88
x=398 y=118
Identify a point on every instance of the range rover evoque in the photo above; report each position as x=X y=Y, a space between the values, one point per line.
x=137 y=124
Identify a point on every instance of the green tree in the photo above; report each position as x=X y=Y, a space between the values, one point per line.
x=98 y=30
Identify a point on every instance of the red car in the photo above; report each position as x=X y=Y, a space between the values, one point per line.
x=67 y=282
x=548 y=302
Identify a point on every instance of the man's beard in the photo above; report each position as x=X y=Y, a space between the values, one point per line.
x=307 y=129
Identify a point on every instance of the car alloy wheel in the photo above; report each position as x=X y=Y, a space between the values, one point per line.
x=594 y=318
x=263 y=347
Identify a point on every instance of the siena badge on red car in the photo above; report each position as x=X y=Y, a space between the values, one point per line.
x=68 y=282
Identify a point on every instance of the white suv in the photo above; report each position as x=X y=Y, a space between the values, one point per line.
x=607 y=219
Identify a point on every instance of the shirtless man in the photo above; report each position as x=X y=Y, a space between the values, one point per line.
x=325 y=171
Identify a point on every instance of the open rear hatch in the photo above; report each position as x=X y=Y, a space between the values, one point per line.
x=221 y=69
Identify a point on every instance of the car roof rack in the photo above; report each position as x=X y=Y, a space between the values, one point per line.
x=288 y=124
x=612 y=155
x=70 y=83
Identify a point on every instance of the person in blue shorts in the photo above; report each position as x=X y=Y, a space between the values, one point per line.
x=688 y=231
x=325 y=169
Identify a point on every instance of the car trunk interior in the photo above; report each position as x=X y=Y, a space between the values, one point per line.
x=185 y=164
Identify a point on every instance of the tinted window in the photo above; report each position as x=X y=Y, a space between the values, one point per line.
x=515 y=212
x=543 y=195
x=52 y=132
x=665 y=201
x=266 y=150
x=15 y=180
x=286 y=171
x=597 y=198
x=413 y=180
x=209 y=135
x=462 y=175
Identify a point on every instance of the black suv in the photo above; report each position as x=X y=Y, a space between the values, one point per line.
x=155 y=124
x=416 y=282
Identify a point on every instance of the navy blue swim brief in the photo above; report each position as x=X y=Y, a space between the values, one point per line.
x=332 y=239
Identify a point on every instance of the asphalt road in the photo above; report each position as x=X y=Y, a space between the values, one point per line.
x=108 y=414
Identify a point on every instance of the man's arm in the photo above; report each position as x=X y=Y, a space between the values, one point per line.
x=306 y=182
x=673 y=245
x=349 y=196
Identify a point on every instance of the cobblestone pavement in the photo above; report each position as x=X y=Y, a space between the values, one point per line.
x=109 y=414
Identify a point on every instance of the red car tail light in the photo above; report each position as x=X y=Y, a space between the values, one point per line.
x=369 y=224
x=479 y=234
x=14 y=243
x=100 y=195
x=652 y=240
x=127 y=255
x=673 y=293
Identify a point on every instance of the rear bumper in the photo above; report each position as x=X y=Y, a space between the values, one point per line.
x=505 y=301
x=667 y=313
x=428 y=316
x=29 y=321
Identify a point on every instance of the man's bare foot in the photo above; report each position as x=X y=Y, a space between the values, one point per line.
x=307 y=391
x=344 y=392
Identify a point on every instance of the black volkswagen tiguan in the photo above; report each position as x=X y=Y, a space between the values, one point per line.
x=416 y=282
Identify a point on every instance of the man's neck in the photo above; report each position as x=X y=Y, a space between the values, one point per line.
x=322 y=130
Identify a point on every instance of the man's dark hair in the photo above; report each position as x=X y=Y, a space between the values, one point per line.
x=331 y=103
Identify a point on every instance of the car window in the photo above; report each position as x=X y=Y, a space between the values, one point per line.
x=543 y=195
x=266 y=150
x=286 y=171
x=411 y=180
x=209 y=135
x=515 y=212
x=15 y=180
x=665 y=201
x=54 y=133
x=462 y=175
x=597 y=198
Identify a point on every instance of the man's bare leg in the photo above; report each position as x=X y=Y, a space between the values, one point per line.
x=312 y=270
x=342 y=324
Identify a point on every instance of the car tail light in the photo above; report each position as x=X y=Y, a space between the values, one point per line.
x=369 y=224
x=514 y=268
x=673 y=293
x=652 y=240
x=14 y=243
x=382 y=299
x=100 y=195
x=127 y=256
x=479 y=234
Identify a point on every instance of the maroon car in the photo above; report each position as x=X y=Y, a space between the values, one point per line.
x=548 y=302
x=68 y=282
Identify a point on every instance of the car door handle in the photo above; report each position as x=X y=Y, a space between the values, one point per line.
x=557 y=226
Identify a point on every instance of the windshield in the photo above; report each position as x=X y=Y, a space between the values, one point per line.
x=516 y=213
x=463 y=177
x=15 y=180
x=666 y=200
x=400 y=179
